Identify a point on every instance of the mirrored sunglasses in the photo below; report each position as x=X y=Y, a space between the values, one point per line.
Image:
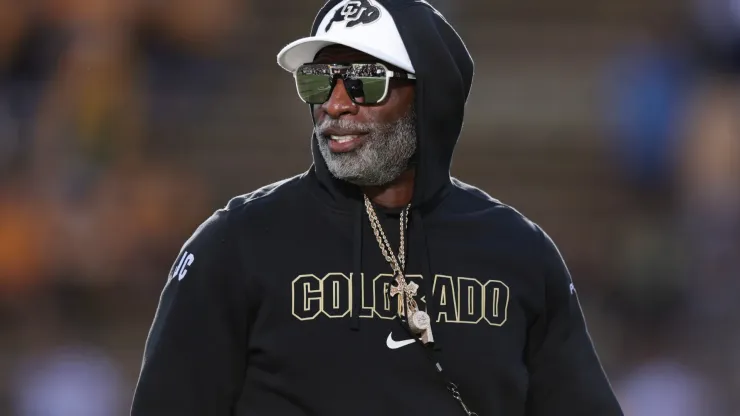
x=365 y=83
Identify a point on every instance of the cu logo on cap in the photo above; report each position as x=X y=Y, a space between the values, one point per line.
x=355 y=12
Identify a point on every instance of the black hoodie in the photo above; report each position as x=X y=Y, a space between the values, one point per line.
x=278 y=304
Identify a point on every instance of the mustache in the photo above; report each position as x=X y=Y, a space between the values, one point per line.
x=343 y=124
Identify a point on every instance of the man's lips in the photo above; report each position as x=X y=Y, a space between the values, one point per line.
x=342 y=141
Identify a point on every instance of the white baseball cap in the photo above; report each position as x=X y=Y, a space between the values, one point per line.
x=364 y=25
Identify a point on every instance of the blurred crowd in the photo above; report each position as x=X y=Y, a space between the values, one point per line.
x=92 y=201
x=675 y=113
x=124 y=124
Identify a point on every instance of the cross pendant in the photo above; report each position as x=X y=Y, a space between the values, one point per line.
x=398 y=290
x=402 y=287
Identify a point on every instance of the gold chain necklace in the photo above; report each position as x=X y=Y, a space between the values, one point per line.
x=419 y=321
x=397 y=265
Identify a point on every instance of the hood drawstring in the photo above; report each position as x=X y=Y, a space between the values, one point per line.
x=433 y=353
x=356 y=280
x=426 y=264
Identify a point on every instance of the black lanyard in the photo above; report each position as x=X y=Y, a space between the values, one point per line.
x=433 y=355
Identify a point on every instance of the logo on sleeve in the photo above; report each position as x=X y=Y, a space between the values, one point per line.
x=185 y=261
x=355 y=12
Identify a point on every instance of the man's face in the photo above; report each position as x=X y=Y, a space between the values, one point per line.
x=367 y=145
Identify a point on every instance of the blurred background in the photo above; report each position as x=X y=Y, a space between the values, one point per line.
x=125 y=123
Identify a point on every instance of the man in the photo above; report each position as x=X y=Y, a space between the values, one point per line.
x=373 y=284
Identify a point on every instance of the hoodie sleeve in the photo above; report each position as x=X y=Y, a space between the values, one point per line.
x=195 y=354
x=566 y=376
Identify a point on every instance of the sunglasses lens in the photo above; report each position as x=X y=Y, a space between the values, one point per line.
x=312 y=88
x=370 y=83
x=369 y=91
x=365 y=83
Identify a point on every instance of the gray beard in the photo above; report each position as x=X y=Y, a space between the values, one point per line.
x=383 y=156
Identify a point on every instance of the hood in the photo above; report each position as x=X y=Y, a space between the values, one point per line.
x=444 y=71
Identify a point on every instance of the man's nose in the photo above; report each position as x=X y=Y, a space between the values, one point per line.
x=339 y=102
